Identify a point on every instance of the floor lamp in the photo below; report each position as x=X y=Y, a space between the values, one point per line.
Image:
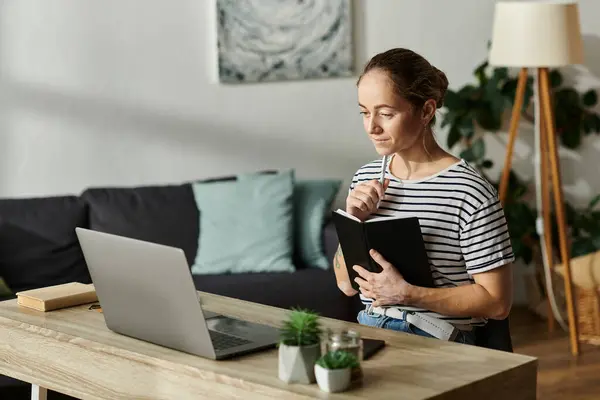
x=537 y=36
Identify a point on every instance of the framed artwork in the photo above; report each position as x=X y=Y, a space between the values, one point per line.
x=278 y=40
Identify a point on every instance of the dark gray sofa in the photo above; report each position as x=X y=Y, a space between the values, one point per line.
x=38 y=247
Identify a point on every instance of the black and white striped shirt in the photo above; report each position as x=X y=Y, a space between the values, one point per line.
x=461 y=219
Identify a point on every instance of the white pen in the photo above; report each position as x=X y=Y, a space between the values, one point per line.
x=382 y=177
x=383 y=165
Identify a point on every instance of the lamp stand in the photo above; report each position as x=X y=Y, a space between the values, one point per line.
x=550 y=171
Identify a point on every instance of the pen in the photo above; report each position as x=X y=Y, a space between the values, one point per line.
x=383 y=165
x=382 y=177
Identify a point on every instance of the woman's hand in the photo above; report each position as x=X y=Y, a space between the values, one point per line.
x=364 y=199
x=387 y=287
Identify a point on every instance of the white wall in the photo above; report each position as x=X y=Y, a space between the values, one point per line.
x=120 y=92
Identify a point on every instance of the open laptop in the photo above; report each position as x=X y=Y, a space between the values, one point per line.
x=146 y=291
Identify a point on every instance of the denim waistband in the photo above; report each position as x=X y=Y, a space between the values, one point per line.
x=403 y=313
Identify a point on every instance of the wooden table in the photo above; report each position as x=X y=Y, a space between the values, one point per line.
x=71 y=351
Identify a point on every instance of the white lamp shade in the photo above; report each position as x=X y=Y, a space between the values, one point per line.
x=536 y=34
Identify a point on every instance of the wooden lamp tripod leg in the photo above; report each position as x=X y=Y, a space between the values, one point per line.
x=546 y=205
x=547 y=114
x=514 y=125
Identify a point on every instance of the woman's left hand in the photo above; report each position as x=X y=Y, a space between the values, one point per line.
x=387 y=287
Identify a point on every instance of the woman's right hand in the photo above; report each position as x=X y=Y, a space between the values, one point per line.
x=363 y=200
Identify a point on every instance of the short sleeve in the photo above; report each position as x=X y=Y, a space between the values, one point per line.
x=354 y=182
x=484 y=240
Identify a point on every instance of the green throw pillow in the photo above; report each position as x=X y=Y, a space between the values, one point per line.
x=246 y=225
x=312 y=202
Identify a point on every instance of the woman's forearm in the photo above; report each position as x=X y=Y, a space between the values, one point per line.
x=472 y=300
x=341 y=273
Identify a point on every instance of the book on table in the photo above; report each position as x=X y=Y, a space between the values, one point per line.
x=57 y=296
x=397 y=239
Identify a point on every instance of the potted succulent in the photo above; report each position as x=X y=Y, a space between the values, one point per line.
x=299 y=347
x=333 y=370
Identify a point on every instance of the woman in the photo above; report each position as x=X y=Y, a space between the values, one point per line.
x=461 y=219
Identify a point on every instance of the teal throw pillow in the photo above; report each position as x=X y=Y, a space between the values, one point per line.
x=312 y=203
x=246 y=225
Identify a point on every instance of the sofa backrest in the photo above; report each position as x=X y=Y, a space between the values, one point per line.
x=160 y=214
x=38 y=245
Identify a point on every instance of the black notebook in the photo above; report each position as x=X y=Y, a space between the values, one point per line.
x=397 y=239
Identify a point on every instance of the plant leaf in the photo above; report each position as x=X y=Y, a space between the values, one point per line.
x=596 y=124
x=453 y=101
x=571 y=137
x=478 y=148
x=527 y=254
x=570 y=213
x=589 y=98
x=454 y=136
x=338 y=359
x=596 y=242
x=593 y=202
x=486 y=117
x=467 y=155
x=449 y=118
x=501 y=73
x=487 y=164
x=480 y=72
x=517 y=246
x=587 y=123
x=555 y=78
x=582 y=247
x=528 y=94
x=301 y=328
x=466 y=128
x=509 y=89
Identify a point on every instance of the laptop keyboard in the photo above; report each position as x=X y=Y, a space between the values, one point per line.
x=222 y=341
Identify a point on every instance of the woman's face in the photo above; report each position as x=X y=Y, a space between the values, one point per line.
x=389 y=120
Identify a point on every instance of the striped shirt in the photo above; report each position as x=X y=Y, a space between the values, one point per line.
x=461 y=219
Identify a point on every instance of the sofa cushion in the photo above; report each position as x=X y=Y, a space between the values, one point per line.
x=163 y=214
x=312 y=203
x=246 y=225
x=311 y=288
x=38 y=244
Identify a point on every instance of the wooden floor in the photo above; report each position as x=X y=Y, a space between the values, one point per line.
x=560 y=375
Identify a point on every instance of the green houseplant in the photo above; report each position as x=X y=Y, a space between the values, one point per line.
x=299 y=346
x=479 y=109
x=333 y=370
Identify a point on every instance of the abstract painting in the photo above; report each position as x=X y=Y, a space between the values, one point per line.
x=275 y=40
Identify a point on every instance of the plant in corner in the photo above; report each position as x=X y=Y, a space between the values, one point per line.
x=333 y=370
x=299 y=346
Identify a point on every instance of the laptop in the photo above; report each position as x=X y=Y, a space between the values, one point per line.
x=146 y=291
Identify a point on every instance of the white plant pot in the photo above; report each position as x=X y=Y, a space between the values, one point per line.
x=296 y=363
x=332 y=380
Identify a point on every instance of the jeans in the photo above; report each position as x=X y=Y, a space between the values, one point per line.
x=385 y=322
